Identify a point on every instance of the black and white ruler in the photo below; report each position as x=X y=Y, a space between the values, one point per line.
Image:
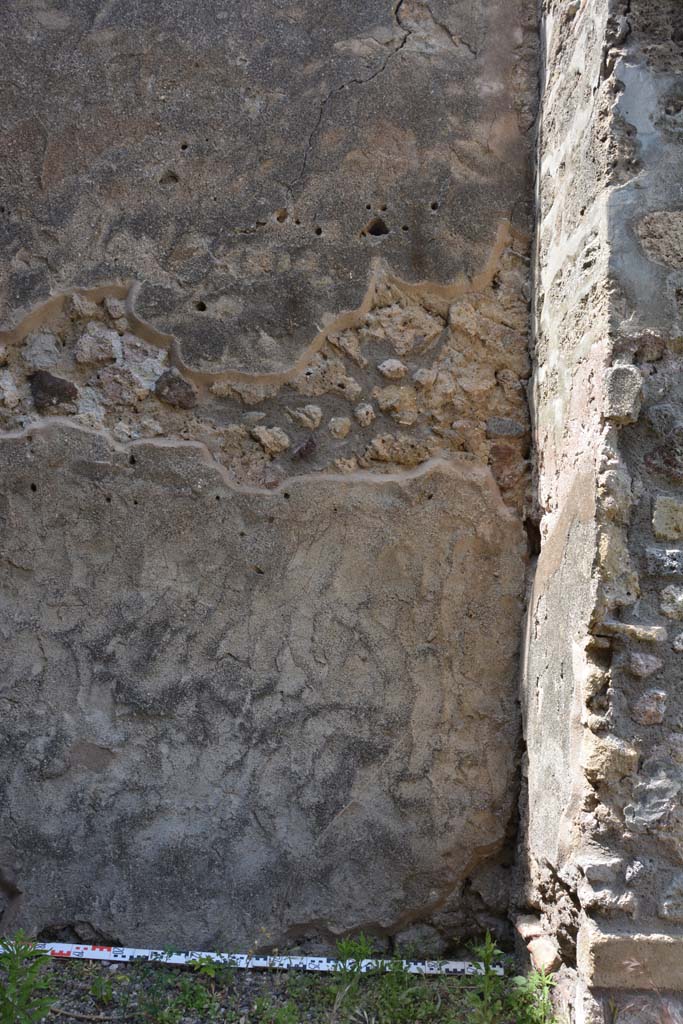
x=250 y=962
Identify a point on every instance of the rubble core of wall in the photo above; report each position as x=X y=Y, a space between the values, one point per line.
x=603 y=712
x=418 y=376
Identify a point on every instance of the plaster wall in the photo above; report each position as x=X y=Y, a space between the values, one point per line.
x=265 y=467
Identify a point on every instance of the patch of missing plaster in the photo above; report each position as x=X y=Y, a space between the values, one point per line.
x=461 y=390
x=661 y=236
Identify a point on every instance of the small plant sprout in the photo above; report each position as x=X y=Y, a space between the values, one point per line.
x=23 y=983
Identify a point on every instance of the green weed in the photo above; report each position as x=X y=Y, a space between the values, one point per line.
x=485 y=996
x=101 y=990
x=23 y=983
x=530 y=998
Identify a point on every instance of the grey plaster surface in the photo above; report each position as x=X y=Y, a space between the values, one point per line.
x=250 y=717
x=230 y=156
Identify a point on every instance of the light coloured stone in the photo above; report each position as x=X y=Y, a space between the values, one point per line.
x=348 y=343
x=545 y=956
x=628 y=958
x=399 y=402
x=310 y=416
x=406 y=327
x=678 y=644
x=605 y=757
x=323 y=376
x=633 y=871
x=644 y=665
x=623 y=387
x=634 y=631
x=364 y=413
x=599 y=867
x=119 y=385
x=401 y=449
x=82 y=308
x=115 y=307
x=339 y=426
x=41 y=351
x=425 y=377
x=9 y=395
x=661 y=236
x=273 y=440
x=665 y=561
x=393 y=369
x=528 y=927
x=90 y=405
x=650 y=708
x=98 y=345
x=667 y=518
x=671 y=601
x=671 y=905
x=145 y=361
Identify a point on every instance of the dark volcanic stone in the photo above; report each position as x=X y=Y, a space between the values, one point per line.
x=175 y=390
x=305 y=449
x=48 y=390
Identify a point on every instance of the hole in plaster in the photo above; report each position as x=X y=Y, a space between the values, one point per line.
x=533 y=534
x=297 y=221
x=404 y=227
x=132 y=460
x=34 y=487
x=435 y=205
x=183 y=146
x=383 y=208
x=281 y=215
x=318 y=230
x=201 y=306
x=169 y=178
x=368 y=206
x=108 y=500
x=286 y=494
x=375 y=228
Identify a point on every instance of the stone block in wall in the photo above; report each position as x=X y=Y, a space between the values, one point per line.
x=627 y=957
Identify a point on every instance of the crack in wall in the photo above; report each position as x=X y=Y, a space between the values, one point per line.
x=340 y=88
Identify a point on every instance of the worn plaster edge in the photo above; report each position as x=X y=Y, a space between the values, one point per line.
x=612 y=953
x=430 y=292
x=611 y=595
x=460 y=468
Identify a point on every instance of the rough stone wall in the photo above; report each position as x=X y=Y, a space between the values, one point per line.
x=264 y=460
x=604 y=842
